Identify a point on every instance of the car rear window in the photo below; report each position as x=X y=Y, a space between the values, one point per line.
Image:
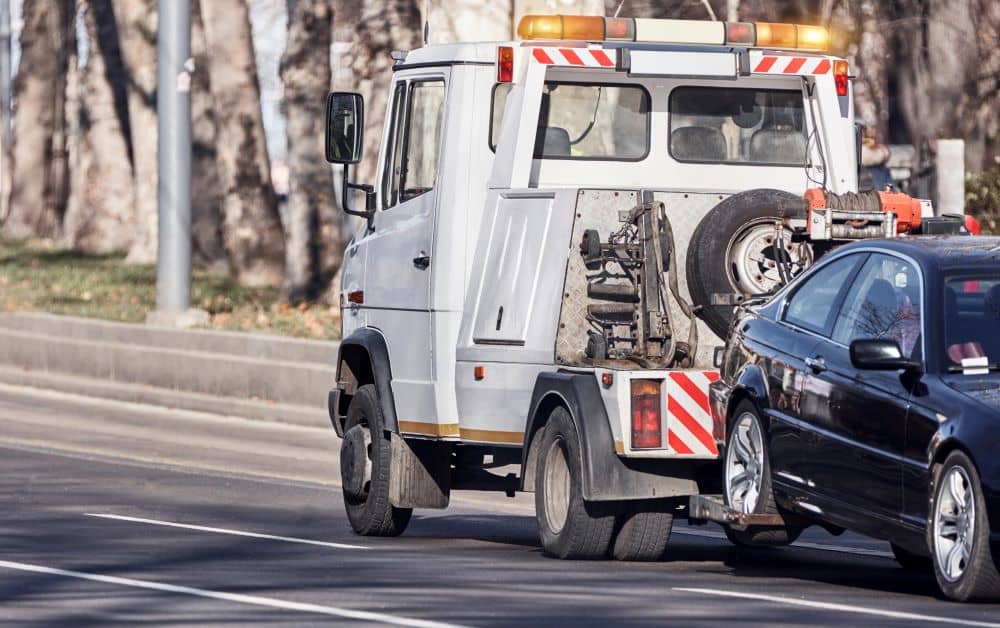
x=585 y=121
x=726 y=125
x=972 y=319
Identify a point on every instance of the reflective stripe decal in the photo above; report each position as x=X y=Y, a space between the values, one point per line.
x=689 y=417
x=775 y=64
x=578 y=57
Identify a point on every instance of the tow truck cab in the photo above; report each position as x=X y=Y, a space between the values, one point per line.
x=518 y=190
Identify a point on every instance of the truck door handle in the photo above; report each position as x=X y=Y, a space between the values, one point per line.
x=422 y=261
x=817 y=364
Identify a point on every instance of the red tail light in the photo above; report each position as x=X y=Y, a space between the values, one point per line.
x=647 y=430
x=505 y=64
x=840 y=78
x=972 y=225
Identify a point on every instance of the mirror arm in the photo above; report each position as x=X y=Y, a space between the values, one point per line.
x=369 y=190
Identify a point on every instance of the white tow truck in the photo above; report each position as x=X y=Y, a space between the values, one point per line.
x=559 y=230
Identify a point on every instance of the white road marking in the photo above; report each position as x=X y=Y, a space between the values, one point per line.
x=239 y=598
x=843 y=549
x=844 y=608
x=255 y=535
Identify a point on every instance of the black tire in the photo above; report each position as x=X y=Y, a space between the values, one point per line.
x=643 y=532
x=765 y=504
x=367 y=502
x=585 y=529
x=707 y=272
x=910 y=561
x=979 y=581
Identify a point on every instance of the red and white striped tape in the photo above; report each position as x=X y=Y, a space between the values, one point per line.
x=689 y=417
x=770 y=64
x=580 y=57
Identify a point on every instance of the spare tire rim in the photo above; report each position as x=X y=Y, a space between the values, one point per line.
x=954 y=523
x=753 y=256
x=744 y=464
x=557 y=486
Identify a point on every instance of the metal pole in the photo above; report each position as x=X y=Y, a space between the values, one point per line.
x=173 y=267
x=5 y=72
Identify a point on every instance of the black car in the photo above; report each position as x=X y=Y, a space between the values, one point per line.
x=865 y=395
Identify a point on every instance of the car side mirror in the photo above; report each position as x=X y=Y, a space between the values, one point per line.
x=880 y=355
x=345 y=124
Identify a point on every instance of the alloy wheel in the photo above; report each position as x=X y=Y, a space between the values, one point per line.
x=745 y=464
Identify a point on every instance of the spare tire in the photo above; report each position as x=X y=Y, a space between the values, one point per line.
x=734 y=253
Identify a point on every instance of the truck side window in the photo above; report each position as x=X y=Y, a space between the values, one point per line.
x=741 y=126
x=417 y=121
x=585 y=121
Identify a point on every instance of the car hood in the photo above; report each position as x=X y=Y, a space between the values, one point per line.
x=985 y=390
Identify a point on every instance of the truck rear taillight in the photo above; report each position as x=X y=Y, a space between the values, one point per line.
x=840 y=77
x=505 y=64
x=647 y=424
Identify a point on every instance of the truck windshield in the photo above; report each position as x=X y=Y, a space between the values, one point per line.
x=972 y=320
x=730 y=125
x=586 y=121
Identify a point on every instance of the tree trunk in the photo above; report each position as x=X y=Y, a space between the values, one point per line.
x=100 y=214
x=385 y=25
x=137 y=31
x=207 y=248
x=314 y=246
x=252 y=229
x=468 y=20
x=39 y=165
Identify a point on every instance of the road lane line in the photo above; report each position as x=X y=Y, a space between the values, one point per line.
x=844 y=608
x=255 y=535
x=239 y=598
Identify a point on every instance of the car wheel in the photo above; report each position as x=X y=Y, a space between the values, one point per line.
x=960 y=533
x=747 y=479
x=910 y=561
x=643 y=531
x=569 y=526
x=365 y=458
x=734 y=251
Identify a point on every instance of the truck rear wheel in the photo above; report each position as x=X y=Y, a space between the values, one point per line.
x=734 y=251
x=643 y=532
x=365 y=458
x=569 y=527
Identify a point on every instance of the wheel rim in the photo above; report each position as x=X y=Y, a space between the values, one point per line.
x=954 y=523
x=752 y=257
x=557 y=486
x=745 y=464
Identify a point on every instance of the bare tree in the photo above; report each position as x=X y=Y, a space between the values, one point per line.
x=207 y=248
x=468 y=20
x=314 y=246
x=39 y=185
x=252 y=230
x=100 y=215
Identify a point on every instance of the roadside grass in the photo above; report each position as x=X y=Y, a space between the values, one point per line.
x=34 y=278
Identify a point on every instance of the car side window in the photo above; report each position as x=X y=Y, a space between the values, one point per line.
x=883 y=302
x=412 y=158
x=812 y=305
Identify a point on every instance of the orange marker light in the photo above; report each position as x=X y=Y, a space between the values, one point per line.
x=619 y=28
x=840 y=77
x=813 y=38
x=777 y=35
x=607 y=379
x=741 y=33
x=479 y=372
x=575 y=27
x=357 y=296
x=505 y=64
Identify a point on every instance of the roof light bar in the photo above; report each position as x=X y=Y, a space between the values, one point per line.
x=699 y=32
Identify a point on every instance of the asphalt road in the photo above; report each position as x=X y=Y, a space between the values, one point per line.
x=122 y=514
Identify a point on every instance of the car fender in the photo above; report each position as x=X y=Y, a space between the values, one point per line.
x=606 y=475
x=750 y=383
x=365 y=346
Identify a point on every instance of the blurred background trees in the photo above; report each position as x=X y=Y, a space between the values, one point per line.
x=265 y=205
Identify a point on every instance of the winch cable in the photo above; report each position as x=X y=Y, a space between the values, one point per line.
x=686 y=307
x=809 y=89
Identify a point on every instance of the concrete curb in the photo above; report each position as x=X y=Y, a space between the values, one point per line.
x=250 y=375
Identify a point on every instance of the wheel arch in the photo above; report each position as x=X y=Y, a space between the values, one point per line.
x=363 y=358
x=750 y=385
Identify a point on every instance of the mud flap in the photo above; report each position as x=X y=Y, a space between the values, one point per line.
x=420 y=474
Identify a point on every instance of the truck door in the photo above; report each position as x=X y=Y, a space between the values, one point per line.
x=398 y=278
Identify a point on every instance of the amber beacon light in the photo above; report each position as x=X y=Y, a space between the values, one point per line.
x=592 y=28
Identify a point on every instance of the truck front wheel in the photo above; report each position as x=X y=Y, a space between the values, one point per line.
x=365 y=457
x=569 y=527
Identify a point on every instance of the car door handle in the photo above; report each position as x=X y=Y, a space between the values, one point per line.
x=422 y=261
x=817 y=364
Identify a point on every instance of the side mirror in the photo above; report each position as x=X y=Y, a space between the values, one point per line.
x=880 y=355
x=345 y=124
